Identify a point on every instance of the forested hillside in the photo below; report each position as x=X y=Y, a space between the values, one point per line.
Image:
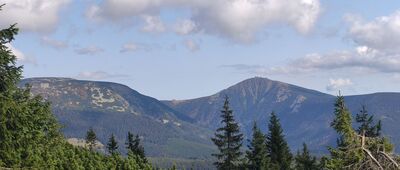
x=115 y=108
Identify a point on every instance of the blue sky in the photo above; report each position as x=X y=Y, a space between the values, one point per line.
x=181 y=49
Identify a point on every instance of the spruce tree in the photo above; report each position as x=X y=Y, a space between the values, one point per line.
x=342 y=121
x=91 y=139
x=257 y=154
x=344 y=154
x=29 y=133
x=304 y=161
x=112 y=145
x=133 y=145
x=366 y=123
x=10 y=74
x=277 y=147
x=228 y=139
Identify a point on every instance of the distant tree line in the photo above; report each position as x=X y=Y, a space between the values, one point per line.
x=361 y=148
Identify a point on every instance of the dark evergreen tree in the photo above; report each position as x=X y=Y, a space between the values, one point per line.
x=366 y=123
x=91 y=139
x=10 y=74
x=277 y=147
x=304 y=161
x=28 y=130
x=112 y=145
x=133 y=145
x=228 y=139
x=257 y=154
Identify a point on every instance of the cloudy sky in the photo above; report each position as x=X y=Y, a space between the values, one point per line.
x=179 y=49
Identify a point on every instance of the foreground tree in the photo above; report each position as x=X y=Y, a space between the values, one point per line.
x=355 y=151
x=91 y=139
x=257 y=154
x=228 y=139
x=28 y=130
x=10 y=74
x=277 y=147
x=304 y=161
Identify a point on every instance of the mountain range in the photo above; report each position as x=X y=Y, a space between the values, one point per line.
x=111 y=108
x=182 y=128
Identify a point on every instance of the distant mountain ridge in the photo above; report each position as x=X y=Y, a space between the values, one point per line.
x=115 y=108
x=305 y=114
x=187 y=125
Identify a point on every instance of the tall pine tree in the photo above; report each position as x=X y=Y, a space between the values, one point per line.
x=342 y=121
x=343 y=155
x=228 y=140
x=277 y=147
x=257 y=154
x=112 y=145
x=304 y=161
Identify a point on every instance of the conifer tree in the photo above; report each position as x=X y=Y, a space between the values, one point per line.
x=28 y=130
x=304 y=161
x=342 y=121
x=257 y=154
x=277 y=147
x=356 y=151
x=112 y=145
x=10 y=74
x=228 y=139
x=343 y=155
x=91 y=139
x=366 y=123
x=133 y=145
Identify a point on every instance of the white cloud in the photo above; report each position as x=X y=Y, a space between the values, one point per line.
x=361 y=59
x=184 y=27
x=129 y=47
x=98 y=75
x=153 y=24
x=337 y=84
x=235 y=19
x=133 y=47
x=90 y=50
x=242 y=19
x=116 y=10
x=57 y=44
x=382 y=33
x=191 y=45
x=32 y=15
x=21 y=57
